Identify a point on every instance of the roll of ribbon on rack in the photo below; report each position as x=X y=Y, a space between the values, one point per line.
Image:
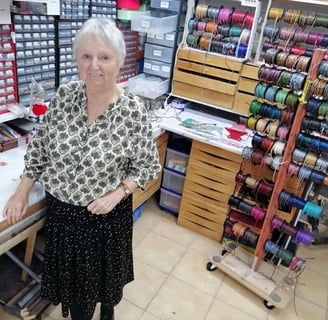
x=294 y=263
x=299 y=234
x=312 y=210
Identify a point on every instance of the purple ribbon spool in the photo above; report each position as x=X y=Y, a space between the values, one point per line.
x=304 y=237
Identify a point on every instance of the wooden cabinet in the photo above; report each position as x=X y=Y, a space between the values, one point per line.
x=140 y=196
x=209 y=182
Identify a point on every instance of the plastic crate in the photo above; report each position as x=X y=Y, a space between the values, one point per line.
x=137 y=213
x=167 y=39
x=173 y=181
x=148 y=86
x=159 y=53
x=154 y=22
x=172 y=5
x=176 y=160
x=157 y=68
x=170 y=201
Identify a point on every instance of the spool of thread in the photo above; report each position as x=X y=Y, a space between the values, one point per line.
x=293 y=169
x=288 y=229
x=296 y=264
x=250 y=236
x=312 y=210
x=285 y=255
x=257 y=213
x=245 y=207
x=234 y=201
x=239 y=230
x=271 y=247
x=276 y=223
x=304 y=237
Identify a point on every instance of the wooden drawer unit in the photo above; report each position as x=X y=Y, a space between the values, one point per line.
x=205 y=77
x=245 y=88
x=208 y=185
x=139 y=196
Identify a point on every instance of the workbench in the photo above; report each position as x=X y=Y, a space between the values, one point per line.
x=11 y=166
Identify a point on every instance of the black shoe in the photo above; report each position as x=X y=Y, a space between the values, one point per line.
x=106 y=312
x=76 y=312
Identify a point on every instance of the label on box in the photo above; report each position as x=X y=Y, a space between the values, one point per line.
x=147 y=65
x=166 y=69
x=164 y=4
x=250 y=3
x=157 y=53
x=145 y=24
x=169 y=36
x=155 y=68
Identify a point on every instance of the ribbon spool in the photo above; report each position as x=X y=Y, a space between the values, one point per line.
x=296 y=264
x=275 y=13
x=304 y=237
x=312 y=210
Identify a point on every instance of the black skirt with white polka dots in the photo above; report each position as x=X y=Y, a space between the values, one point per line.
x=88 y=257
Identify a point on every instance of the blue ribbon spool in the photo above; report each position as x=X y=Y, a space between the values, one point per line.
x=312 y=210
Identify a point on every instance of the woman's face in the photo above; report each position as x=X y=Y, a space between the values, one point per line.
x=97 y=63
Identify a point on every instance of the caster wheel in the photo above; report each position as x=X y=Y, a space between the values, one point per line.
x=268 y=305
x=210 y=266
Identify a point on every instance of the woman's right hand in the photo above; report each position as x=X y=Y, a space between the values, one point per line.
x=15 y=207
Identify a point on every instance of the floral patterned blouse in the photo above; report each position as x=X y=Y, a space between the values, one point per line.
x=77 y=162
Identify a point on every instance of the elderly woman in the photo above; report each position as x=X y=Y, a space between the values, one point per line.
x=93 y=150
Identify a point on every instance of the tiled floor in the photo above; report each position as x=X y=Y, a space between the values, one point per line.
x=172 y=282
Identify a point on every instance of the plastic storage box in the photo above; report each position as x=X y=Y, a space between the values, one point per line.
x=169 y=201
x=160 y=53
x=148 y=86
x=173 y=181
x=176 y=160
x=137 y=213
x=157 y=68
x=154 y=22
x=167 y=39
x=172 y=5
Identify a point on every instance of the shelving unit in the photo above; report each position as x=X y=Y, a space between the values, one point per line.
x=270 y=258
x=206 y=71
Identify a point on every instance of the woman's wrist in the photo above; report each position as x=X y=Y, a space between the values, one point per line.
x=126 y=190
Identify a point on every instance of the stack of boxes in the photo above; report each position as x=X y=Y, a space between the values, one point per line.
x=162 y=28
x=176 y=162
x=35 y=54
x=8 y=84
x=160 y=47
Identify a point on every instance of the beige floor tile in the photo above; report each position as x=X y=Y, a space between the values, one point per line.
x=313 y=287
x=174 y=232
x=148 y=316
x=172 y=282
x=159 y=252
x=316 y=257
x=206 y=246
x=126 y=310
x=238 y=296
x=54 y=312
x=139 y=233
x=222 y=311
x=6 y=316
x=192 y=270
x=146 y=284
x=178 y=301
x=300 y=310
